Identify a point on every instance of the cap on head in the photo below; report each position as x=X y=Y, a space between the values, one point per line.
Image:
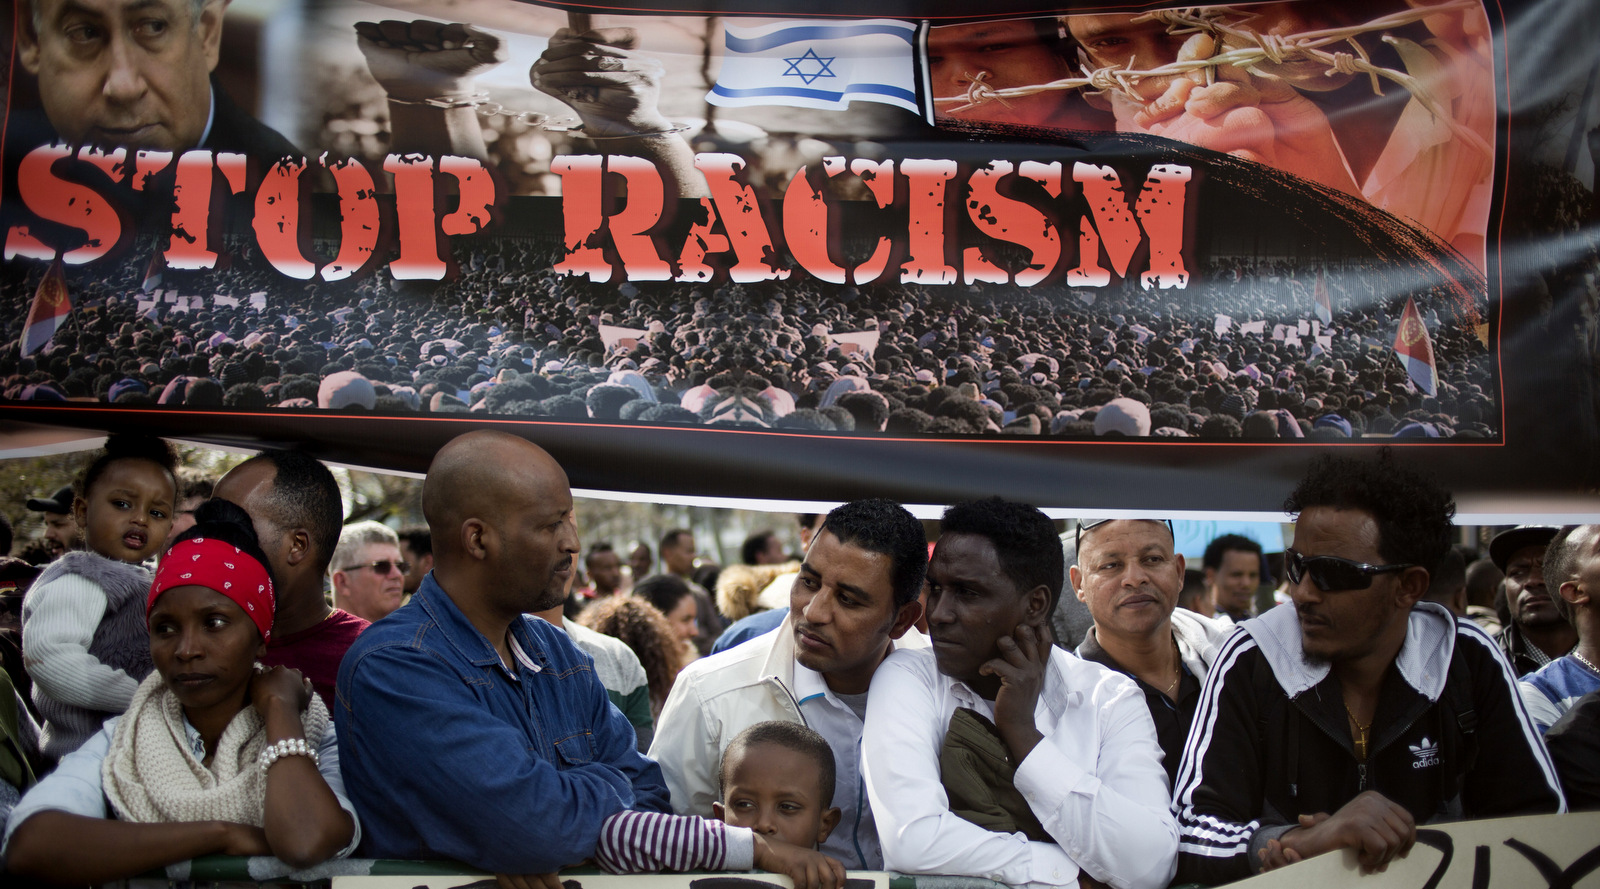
x=1506 y=543
x=59 y=503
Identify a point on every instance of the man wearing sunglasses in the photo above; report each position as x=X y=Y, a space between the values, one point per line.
x=1347 y=717
x=368 y=574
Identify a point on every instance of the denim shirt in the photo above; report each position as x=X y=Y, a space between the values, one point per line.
x=447 y=754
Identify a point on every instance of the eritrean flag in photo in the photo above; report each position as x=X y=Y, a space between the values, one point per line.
x=51 y=306
x=1415 y=349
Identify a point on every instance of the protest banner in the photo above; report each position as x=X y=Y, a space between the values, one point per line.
x=1029 y=221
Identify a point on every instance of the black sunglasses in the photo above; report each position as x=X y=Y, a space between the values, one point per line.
x=1332 y=574
x=384 y=566
x=1077 y=535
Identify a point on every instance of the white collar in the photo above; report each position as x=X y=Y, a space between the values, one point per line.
x=197 y=744
x=1054 y=697
x=211 y=114
x=808 y=683
x=520 y=655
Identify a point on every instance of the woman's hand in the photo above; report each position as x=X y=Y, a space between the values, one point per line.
x=243 y=839
x=281 y=687
x=59 y=848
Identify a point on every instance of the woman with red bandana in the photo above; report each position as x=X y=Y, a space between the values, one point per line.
x=215 y=755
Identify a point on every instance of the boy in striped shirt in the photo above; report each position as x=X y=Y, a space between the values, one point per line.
x=777 y=805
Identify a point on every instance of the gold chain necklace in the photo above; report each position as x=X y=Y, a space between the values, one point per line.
x=1361 y=731
x=1178 y=658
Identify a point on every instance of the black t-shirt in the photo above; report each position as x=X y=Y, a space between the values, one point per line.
x=1172 y=719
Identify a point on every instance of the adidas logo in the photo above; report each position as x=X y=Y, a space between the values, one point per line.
x=1424 y=754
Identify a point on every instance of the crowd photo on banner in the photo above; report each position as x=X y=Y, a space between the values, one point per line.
x=1032 y=447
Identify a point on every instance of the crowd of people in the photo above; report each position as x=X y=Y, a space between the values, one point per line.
x=1239 y=353
x=904 y=706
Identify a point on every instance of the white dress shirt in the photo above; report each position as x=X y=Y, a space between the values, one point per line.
x=1095 y=781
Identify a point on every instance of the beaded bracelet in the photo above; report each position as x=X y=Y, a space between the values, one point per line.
x=288 y=747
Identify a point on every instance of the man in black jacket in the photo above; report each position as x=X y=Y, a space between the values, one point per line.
x=1346 y=718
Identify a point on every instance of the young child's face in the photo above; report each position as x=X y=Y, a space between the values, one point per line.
x=127 y=513
x=776 y=792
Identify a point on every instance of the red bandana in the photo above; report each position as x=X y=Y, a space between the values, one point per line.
x=219 y=566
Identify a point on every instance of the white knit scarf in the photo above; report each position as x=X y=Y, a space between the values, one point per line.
x=150 y=775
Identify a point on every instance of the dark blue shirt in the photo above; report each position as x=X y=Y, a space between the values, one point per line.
x=447 y=754
x=747 y=628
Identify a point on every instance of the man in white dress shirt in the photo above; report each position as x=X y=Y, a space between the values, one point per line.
x=853 y=602
x=1090 y=796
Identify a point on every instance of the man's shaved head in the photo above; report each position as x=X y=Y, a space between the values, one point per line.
x=500 y=511
x=477 y=474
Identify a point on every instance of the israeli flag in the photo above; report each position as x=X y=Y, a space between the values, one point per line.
x=819 y=64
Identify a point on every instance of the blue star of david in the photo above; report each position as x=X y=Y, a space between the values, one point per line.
x=810 y=72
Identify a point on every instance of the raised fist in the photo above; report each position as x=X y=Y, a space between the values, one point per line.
x=614 y=89
x=425 y=59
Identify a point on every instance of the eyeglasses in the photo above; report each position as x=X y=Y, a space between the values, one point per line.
x=1077 y=535
x=383 y=566
x=1332 y=574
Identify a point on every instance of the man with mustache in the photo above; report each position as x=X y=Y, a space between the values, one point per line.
x=1129 y=577
x=852 y=603
x=468 y=729
x=1537 y=633
x=1348 y=716
x=998 y=755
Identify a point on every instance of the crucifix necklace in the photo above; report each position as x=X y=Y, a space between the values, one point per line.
x=1360 y=733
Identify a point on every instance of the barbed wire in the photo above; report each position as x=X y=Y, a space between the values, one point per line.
x=1219 y=27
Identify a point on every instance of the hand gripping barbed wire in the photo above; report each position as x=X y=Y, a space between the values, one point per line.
x=1215 y=28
